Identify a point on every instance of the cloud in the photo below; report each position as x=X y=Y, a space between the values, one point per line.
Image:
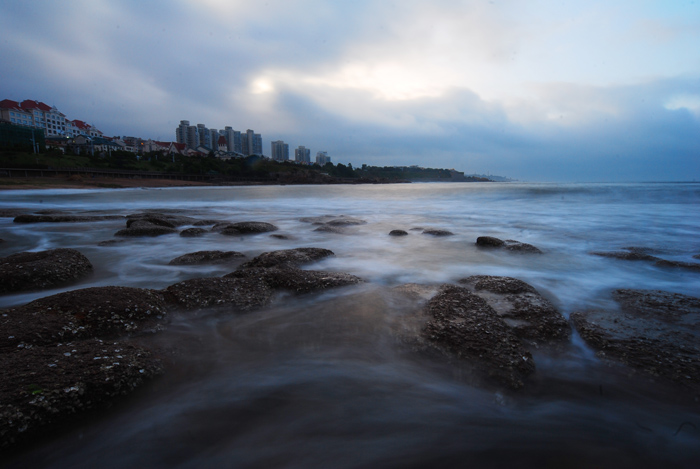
x=534 y=90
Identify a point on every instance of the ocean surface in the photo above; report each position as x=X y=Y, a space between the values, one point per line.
x=322 y=380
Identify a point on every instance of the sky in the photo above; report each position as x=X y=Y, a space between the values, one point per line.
x=543 y=90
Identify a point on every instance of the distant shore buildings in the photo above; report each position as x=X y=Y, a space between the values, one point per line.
x=40 y=124
x=39 y=115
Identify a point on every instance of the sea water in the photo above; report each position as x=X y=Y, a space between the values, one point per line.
x=321 y=380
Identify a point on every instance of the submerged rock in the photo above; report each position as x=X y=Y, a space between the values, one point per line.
x=333 y=220
x=653 y=331
x=436 y=232
x=288 y=257
x=331 y=229
x=193 y=232
x=464 y=324
x=111 y=242
x=508 y=244
x=678 y=264
x=629 y=254
x=531 y=316
x=245 y=227
x=145 y=228
x=241 y=294
x=162 y=219
x=43 y=269
x=398 y=233
x=346 y=221
x=296 y=280
x=207 y=257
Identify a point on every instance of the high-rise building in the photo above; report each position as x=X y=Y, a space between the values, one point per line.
x=233 y=139
x=302 y=155
x=204 y=136
x=252 y=143
x=280 y=151
x=192 y=137
x=257 y=145
x=181 y=132
x=322 y=158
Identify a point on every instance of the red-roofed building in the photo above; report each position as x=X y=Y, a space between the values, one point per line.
x=42 y=116
x=221 y=144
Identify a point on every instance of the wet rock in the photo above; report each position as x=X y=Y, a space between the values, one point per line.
x=655 y=332
x=193 y=232
x=531 y=316
x=398 y=233
x=417 y=228
x=145 y=228
x=111 y=242
x=248 y=227
x=43 y=387
x=333 y=220
x=436 y=232
x=206 y=222
x=509 y=244
x=331 y=229
x=678 y=264
x=517 y=246
x=64 y=218
x=288 y=257
x=346 y=221
x=43 y=269
x=162 y=219
x=463 y=324
x=207 y=257
x=296 y=280
x=219 y=227
x=242 y=294
x=151 y=220
x=84 y=313
x=696 y=256
x=629 y=254
x=282 y=236
x=489 y=241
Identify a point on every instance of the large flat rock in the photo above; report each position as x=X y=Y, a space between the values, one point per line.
x=40 y=270
x=655 y=332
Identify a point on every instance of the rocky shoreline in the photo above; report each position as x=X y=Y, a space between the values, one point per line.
x=72 y=352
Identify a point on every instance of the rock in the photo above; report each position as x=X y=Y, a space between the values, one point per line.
x=64 y=218
x=84 y=313
x=331 y=229
x=346 y=221
x=417 y=228
x=288 y=257
x=696 y=256
x=417 y=292
x=509 y=244
x=531 y=316
x=436 y=232
x=152 y=220
x=145 y=228
x=193 y=232
x=163 y=219
x=655 y=332
x=465 y=325
x=517 y=246
x=241 y=294
x=630 y=254
x=43 y=387
x=12 y=212
x=111 y=242
x=248 y=227
x=206 y=222
x=218 y=227
x=296 y=280
x=281 y=236
x=43 y=269
x=489 y=241
x=206 y=257
x=398 y=233
x=678 y=264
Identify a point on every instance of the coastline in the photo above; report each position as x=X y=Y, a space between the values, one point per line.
x=16 y=183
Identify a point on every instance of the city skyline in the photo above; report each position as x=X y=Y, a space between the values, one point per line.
x=549 y=91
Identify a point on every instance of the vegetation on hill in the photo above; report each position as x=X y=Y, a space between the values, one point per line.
x=252 y=167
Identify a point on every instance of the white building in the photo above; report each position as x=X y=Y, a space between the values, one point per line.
x=322 y=158
x=302 y=155
x=280 y=151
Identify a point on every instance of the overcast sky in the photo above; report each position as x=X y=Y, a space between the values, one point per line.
x=535 y=90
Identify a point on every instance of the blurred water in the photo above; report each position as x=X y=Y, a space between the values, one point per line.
x=324 y=380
